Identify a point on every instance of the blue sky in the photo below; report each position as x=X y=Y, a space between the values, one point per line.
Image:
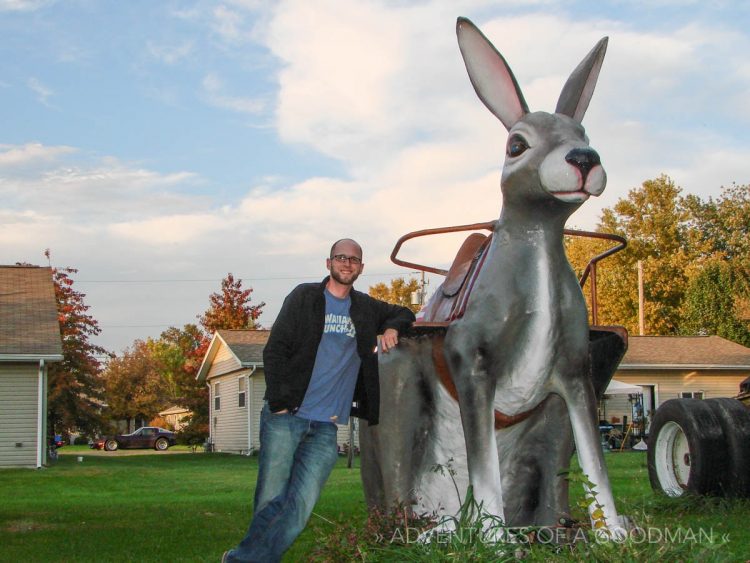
x=156 y=146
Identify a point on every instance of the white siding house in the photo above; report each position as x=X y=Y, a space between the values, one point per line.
x=672 y=367
x=29 y=340
x=233 y=370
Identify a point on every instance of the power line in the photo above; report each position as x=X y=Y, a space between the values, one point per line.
x=244 y=279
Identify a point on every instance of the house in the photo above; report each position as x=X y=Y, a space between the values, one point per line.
x=664 y=367
x=176 y=417
x=233 y=371
x=29 y=341
x=671 y=367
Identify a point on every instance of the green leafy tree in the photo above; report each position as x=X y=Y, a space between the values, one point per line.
x=230 y=308
x=398 y=293
x=716 y=302
x=75 y=384
x=722 y=225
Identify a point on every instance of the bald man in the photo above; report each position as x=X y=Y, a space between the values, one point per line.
x=321 y=366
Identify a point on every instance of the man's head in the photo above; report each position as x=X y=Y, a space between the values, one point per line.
x=345 y=261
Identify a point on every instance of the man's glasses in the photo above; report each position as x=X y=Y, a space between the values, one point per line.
x=343 y=258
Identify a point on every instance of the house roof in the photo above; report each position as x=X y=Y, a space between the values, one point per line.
x=683 y=352
x=246 y=345
x=174 y=410
x=29 y=327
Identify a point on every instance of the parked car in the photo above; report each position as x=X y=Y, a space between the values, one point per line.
x=146 y=437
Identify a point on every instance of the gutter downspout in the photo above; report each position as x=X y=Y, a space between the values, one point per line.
x=40 y=430
x=248 y=408
x=210 y=416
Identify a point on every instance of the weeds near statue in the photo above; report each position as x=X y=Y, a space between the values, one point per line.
x=500 y=376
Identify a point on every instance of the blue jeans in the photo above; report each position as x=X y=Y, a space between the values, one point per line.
x=296 y=458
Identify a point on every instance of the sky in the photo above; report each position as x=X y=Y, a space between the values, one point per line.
x=157 y=146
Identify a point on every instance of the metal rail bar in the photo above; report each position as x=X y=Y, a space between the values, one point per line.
x=588 y=272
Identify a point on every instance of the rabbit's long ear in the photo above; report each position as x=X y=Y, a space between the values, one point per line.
x=490 y=75
x=577 y=92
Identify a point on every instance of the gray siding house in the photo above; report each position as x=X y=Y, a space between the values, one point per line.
x=233 y=371
x=29 y=341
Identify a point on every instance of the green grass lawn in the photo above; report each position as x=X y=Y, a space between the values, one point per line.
x=191 y=507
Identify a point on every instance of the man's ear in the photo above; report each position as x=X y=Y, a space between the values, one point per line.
x=328 y=264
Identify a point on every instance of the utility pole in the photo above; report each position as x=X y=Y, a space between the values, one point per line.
x=418 y=297
x=641 y=301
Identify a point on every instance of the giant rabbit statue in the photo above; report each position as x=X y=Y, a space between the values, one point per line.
x=518 y=354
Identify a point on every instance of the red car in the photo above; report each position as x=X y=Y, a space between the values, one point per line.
x=146 y=437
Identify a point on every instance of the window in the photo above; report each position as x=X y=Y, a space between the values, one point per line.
x=241 y=383
x=691 y=395
x=217 y=396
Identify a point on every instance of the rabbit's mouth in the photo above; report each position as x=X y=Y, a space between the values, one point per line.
x=578 y=196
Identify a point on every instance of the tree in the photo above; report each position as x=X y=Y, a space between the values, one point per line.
x=716 y=303
x=398 y=293
x=134 y=388
x=723 y=225
x=231 y=309
x=657 y=223
x=186 y=349
x=695 y=256
x=75 y=385
x=157 y=373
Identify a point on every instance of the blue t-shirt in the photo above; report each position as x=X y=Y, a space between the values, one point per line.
x=334 y=374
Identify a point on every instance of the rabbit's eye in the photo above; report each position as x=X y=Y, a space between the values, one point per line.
x=516 y=146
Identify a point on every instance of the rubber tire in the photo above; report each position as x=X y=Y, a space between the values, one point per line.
x=690 y=427
x=161 y=444
x=111 y=445
x=734 y=418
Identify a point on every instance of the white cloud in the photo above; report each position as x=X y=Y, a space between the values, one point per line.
x=379 y=86
x=168 y=229
x=43 y=94
x=34 y=154
x=63 y=182
x=228 y=24
x=213 y=87
x=23 y=5
x=402 y=81
x=170 y=54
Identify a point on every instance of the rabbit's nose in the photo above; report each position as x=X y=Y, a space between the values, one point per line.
x=584 y=160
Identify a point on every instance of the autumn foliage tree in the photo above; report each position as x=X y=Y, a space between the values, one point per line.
x=694 y=255
x=158 y=373
x=75 y=386
x=134 y=387
x=154 y=374
x=230 y=308
x=398 y=293
x=183 y=351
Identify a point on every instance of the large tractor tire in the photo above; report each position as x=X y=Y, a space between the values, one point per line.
x=687 y=452
x=734 y=418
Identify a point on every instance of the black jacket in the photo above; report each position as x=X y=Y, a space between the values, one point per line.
x=289 y=355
